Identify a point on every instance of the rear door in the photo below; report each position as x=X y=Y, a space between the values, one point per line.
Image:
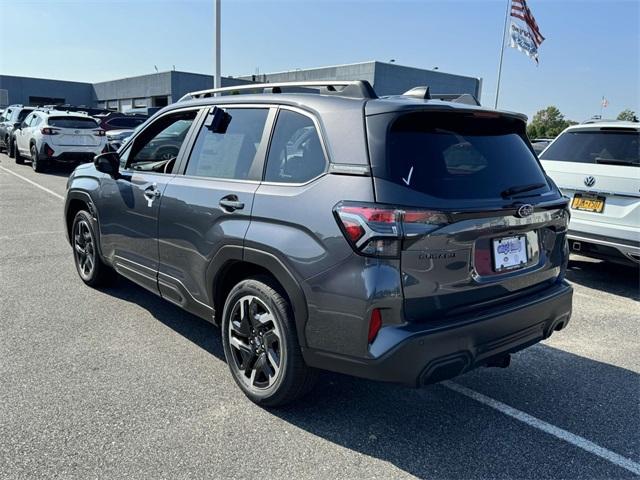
x=207 y=207
x=24 y=134
x=482 y=224
x=599 y=169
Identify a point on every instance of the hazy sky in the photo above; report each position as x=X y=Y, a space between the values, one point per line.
x=592 y=47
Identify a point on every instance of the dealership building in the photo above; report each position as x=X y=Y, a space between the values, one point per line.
x=163 y=88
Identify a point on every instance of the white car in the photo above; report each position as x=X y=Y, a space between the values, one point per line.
x=47 y=136
x=597 y=165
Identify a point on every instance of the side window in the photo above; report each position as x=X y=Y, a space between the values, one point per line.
x=35 y=121
x=230 y=154
x=296 y=154
x=28 y=119
x=156 y=148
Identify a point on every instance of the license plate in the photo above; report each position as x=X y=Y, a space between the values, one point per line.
x=588 y=203
x=509 y=253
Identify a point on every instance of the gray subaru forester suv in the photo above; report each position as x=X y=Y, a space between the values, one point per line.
x=408 y=238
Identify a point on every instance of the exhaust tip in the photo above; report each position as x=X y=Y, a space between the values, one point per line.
x=502 y=361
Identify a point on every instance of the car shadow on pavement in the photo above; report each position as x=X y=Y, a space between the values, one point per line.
x=605 y=276
x=435 y=432
x=193 y=328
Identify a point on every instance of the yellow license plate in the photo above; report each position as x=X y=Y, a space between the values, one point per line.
x=588 y=203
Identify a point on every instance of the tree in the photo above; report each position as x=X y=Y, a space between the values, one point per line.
x=628 y=115
x=548 y=123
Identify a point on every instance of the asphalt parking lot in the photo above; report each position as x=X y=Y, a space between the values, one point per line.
x=121 y=384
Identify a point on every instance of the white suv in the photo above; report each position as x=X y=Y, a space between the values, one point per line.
x=597 y=165
x=48 y=136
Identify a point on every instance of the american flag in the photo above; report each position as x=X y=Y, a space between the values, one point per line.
x=520 y=10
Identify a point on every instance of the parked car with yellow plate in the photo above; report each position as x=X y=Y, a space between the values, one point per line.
x=597 y=165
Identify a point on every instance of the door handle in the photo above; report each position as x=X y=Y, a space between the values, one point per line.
x=231 y=203
x=152 y=191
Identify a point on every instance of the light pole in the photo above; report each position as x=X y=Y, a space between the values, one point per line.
x=216 y=46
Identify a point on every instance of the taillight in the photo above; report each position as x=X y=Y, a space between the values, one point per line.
x=378 y=230
x=49 y=131
x=99 y=133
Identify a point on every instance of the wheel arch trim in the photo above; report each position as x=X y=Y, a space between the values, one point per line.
x=230 y=254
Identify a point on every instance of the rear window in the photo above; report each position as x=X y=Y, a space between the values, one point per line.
x=459 y=156
x=72 y=122
x=602 y=146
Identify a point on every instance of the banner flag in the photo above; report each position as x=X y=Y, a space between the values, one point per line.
x=523 y=31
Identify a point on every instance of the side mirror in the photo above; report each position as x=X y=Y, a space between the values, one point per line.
x=17 y=125
x=217 y=120
x=108 y=163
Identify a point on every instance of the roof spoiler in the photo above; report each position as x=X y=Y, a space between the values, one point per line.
x=347 y=88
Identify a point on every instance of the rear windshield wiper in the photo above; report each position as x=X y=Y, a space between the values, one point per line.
x=613 y=161
x=509 y=192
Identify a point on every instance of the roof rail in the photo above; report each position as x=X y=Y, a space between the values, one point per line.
x=350 y=88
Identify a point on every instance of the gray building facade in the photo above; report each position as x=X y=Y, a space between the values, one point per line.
x=386 y=78
x=163 y=88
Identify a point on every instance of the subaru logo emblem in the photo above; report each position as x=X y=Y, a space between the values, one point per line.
x=589 y=181
x=524 y=210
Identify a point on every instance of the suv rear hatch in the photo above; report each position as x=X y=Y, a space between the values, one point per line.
x=74 y=131
x=495 y=227
x=598 y=168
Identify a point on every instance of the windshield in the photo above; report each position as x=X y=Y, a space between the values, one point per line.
x=72 y=122
x=614 y=146
x=460 y=156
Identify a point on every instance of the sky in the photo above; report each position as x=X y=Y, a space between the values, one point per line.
x=592 y=47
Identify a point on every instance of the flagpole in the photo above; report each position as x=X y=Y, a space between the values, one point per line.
x=216 y=46
x=504 y=33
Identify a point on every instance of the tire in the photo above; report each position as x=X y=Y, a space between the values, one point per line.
x=165 y=153
x=261 y=344
x=14 y=153
x=90 y=267
x=37 y=164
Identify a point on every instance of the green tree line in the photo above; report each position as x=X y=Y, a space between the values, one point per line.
x=549 y=122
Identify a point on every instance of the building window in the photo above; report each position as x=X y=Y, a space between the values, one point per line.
x=112 y=104
x=140 y=102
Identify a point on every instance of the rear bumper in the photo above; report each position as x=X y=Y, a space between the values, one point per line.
x=70 y=154
x=418 y=354
x=604 y=247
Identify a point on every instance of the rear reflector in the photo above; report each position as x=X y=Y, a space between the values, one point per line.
x=374 y=324
x=48 y=150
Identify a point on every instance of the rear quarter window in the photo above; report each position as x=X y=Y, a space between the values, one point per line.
x=72 y=122
x=608 y=146
x=458 y=156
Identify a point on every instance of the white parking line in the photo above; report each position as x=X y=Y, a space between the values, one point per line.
x=57 y=195
x=557 y=432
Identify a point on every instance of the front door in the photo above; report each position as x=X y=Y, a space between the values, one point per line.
x=129 y=205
